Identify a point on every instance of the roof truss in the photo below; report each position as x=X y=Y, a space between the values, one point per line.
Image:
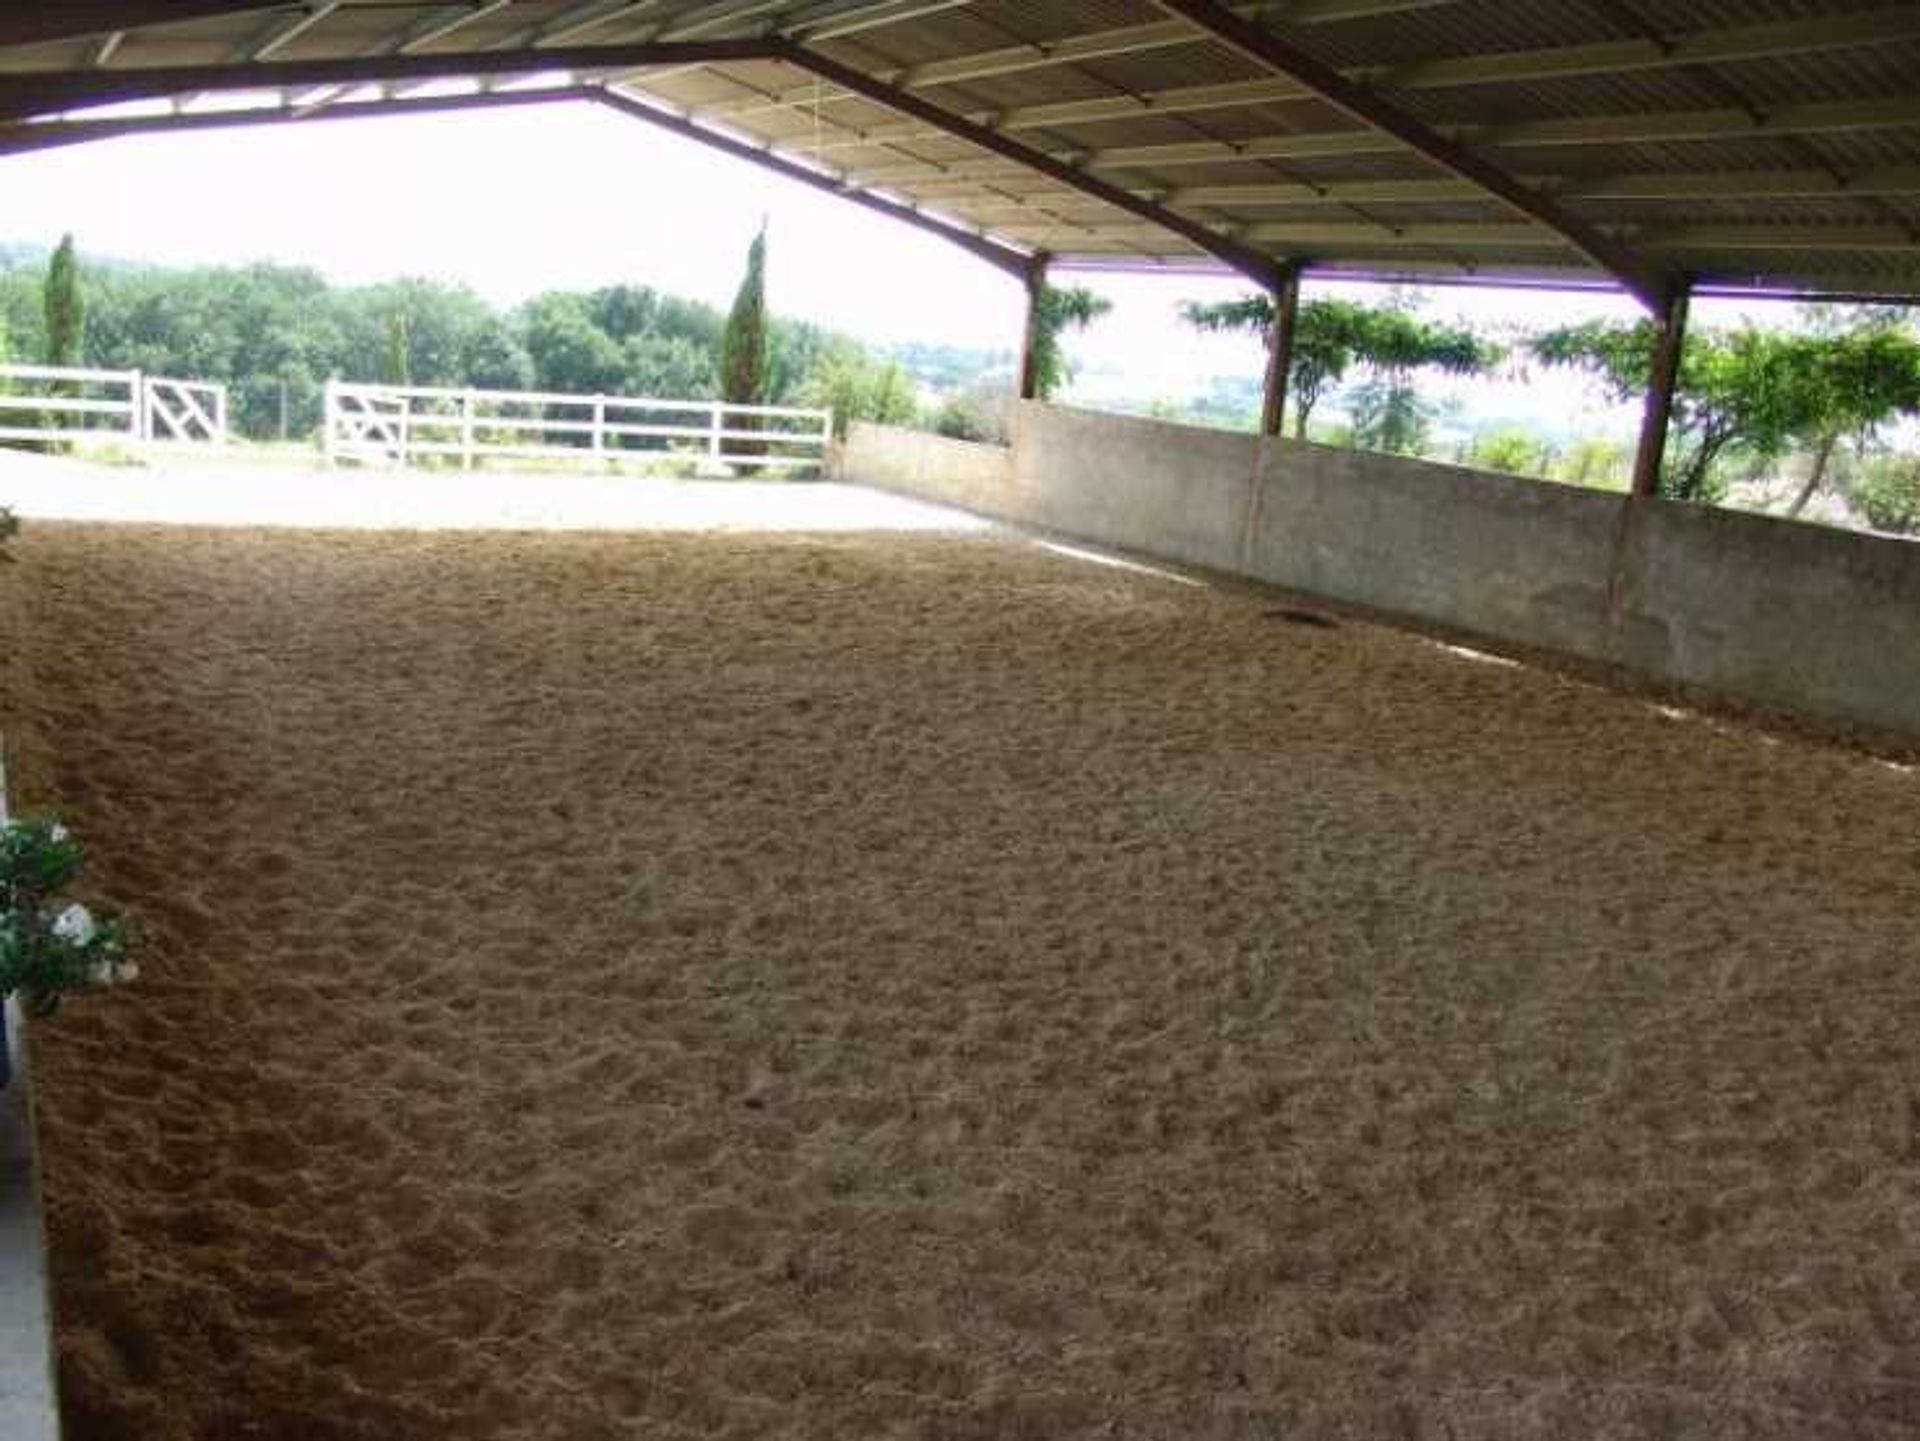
x=1145 y=142
x=38 y=24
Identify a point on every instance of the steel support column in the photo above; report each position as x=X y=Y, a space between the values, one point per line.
x=1665 y=380
x=1286 y=319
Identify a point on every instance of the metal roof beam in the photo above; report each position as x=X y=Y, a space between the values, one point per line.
x=1614 y=57
x=572 y=17
x=1002 y=256
x=1677 y=186
x=1269 y=49
x=1256 y=265
x=837 y=19
x=39 y=93
x=285 y=34
x=1310 y=237
x=24 y=24
x=430 y=31
x=1827 y=117
x=56 y=134
x=565 y=33
x=1071 y=49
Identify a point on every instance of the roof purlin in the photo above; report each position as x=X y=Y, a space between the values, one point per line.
x=31 y=93
x=1257 y=265
x=1650 y=285
x=39 y=24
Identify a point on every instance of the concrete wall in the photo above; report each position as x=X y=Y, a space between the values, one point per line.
x=929 y=467
x=1503 y=557
x=1761 y=610
x=1796 y=616
x=1176 y=492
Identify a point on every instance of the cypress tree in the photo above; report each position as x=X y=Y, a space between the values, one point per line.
x=65 y=310
x=743 y=346
x=399 y=358
x=66 y=307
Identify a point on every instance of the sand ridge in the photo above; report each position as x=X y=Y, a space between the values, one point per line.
x=696 y=986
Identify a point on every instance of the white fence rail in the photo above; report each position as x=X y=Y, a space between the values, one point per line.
x=57 y=402
x=402 y=425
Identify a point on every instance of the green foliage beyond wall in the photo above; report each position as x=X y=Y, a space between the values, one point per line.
x=274 y=333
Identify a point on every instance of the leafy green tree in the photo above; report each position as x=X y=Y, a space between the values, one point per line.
x=856 y=386
x=570 y=353
x=1709 y=415
x=669 y=367
x=977 y=412
x=1596 y=462
x=493 y=358
x=66 y=307
x=1511 y=450
x=1058 y=310
x=743 y=346
x=1749 y=391
x=1849 y=385
x=1334 y=337
x=795 y=350
x=1886 y=489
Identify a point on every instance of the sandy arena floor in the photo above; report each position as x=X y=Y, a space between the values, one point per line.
x=926 y=987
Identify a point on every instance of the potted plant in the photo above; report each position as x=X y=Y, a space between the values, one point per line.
x=49 y=948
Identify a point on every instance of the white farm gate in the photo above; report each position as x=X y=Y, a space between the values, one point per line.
x=67 y=403
x=397 y=425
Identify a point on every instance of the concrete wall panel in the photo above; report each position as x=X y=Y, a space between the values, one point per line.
x=1755 y=609
x=1797 y=616
x=1510 y=558
x=930 y=467
x=1172 y=491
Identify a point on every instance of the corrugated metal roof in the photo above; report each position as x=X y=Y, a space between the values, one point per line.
x=1768 y=142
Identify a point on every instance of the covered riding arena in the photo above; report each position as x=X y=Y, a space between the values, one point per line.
x=1205 y=937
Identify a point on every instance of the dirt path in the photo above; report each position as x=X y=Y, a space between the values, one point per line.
x=914 y=987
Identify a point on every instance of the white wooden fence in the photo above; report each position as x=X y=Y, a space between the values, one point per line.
x=52 y=402
x=400 y=425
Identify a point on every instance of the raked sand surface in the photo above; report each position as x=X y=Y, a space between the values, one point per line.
x=917 y=986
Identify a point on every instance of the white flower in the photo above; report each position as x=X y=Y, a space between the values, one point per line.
x=128 y=971
x=75 y=925
x=57 y=832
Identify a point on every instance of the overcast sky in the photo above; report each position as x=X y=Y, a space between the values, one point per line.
x=574 y=196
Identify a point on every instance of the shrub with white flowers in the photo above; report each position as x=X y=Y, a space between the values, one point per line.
x=49 y=948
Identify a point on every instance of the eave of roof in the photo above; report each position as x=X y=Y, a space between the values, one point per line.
x=1570 y=141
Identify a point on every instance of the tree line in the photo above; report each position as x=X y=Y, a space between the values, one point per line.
x=274 y=334
x=1749 y=399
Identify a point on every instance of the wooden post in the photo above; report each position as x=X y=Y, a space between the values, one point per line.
x=329 y=418
x=713 y=432
x=139 y=423
x=466 y=430
x=1029 y=344
x=599 y=425
x=1286 y=318
x=220 y=415
x=1659 y=412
